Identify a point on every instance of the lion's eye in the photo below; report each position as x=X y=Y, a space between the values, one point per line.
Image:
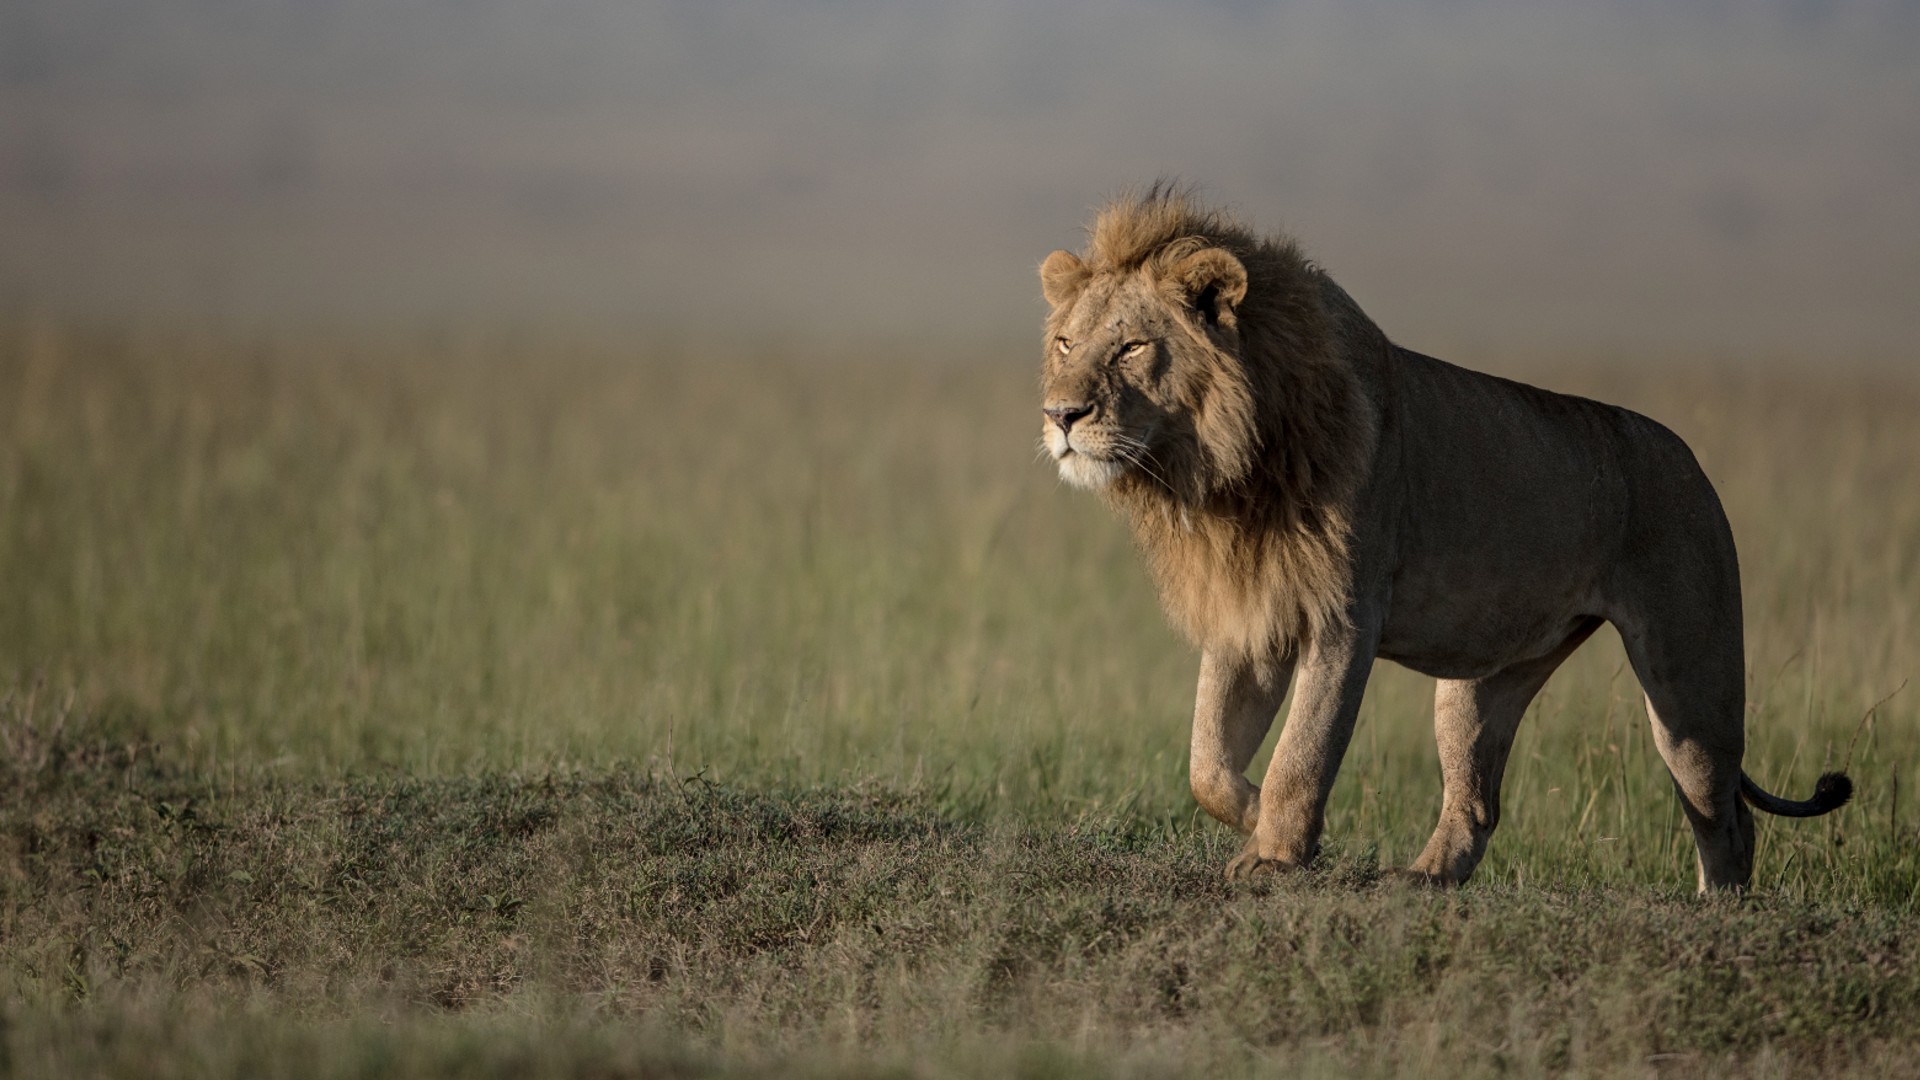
x=1063 y=345
x=1131 y=348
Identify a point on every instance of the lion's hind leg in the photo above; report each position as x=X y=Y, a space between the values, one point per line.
x=1474 y=721
x=1675 y=598
x=1696 y=699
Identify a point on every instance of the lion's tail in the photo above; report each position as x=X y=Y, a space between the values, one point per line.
x=1830 y=793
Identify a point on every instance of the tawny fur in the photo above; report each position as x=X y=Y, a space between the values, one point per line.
x=1310 y=497
x=1246 y=536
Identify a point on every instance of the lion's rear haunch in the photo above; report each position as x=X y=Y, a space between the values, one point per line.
x=1830 y=793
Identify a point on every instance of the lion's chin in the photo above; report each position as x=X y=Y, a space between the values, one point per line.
x=1087 y=472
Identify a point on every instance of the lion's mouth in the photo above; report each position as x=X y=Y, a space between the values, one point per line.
x=1081 y=464
x=1077 y=444
x=1086 y=471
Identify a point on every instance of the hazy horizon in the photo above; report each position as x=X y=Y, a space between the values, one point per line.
x=1713 y=179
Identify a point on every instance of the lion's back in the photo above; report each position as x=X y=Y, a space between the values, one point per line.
x=1512 y=508
x=1487 y=455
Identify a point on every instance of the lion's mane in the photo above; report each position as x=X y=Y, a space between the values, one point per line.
x=1248 y=543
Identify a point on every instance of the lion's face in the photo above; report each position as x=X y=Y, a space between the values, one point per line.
x=1136 y=363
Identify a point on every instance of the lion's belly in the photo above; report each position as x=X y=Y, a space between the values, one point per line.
x=1468 y=633
x=1498 y=527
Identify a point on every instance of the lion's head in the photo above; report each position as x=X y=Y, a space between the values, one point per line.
x=1143 y=377
x=1200 y=377
x=1143 y=369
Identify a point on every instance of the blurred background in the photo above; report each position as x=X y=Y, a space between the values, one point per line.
x=1670 y=179
x=415 y=382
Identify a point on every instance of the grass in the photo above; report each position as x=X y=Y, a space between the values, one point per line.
x=521 y=706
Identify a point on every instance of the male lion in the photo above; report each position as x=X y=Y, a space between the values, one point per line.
x=1308 y=495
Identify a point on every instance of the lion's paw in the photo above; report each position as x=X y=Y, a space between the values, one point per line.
x=1419 y=879
x=1251 y=864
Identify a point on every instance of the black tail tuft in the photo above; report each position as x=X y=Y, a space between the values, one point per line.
x=1830 y=793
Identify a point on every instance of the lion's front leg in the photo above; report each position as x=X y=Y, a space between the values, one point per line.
x=1232 y=709
x=1293 y=800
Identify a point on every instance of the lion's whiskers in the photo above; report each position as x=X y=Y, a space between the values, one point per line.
x=1136 y=453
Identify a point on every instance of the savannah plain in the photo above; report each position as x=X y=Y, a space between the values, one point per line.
x=527 y=705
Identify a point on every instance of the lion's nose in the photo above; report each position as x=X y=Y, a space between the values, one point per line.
x=1063 y=416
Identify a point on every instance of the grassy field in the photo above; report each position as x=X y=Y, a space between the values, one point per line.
x=520 y=706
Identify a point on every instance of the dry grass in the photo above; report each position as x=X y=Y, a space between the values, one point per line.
x=351 y=690
x=614 y=921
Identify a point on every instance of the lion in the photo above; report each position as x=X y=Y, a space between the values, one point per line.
x=1308 y=496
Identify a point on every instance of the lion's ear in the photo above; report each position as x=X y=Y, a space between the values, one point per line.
x=1062 y=277
x=1211 y=282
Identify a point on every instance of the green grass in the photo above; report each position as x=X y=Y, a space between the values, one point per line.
x=514 y=705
